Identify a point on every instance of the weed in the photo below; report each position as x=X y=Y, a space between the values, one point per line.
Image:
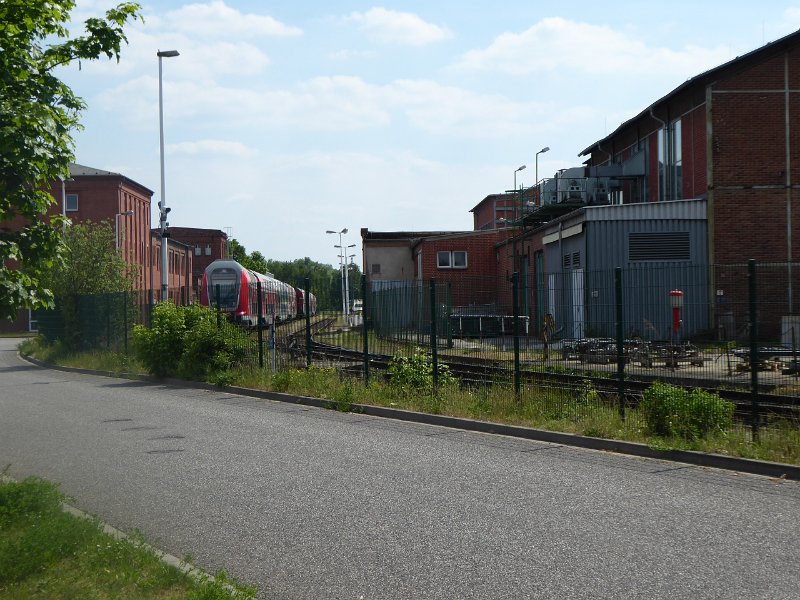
x=671 y=411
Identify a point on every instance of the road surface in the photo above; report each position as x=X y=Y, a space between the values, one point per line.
x=309 y=503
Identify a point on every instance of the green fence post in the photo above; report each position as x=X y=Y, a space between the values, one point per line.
x=434 y=349
x=364 y=329
x=620 y=341
x=260 y=325
x=307 y=300
x=515 y=309
x=125 y=319
x=108 y=320
x=751 y=279
x=219 y=307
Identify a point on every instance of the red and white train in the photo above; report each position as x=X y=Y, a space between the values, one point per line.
x=235 y=288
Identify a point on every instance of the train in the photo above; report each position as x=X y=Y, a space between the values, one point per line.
x=235 y=288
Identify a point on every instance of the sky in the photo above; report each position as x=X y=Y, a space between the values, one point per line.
x=285 y=119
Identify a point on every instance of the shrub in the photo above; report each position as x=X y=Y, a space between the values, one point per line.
x=159 y=347
x=691 y=414
x=416 y=372
x=186 y=341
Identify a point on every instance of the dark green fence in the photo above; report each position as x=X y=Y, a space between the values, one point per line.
x=97 y=321
x=562 y=339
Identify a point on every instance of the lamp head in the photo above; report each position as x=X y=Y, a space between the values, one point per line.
x=522 y=168
x=167 y=53
x=543 y=150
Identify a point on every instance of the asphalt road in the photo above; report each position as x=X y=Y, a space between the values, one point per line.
x=309 y=503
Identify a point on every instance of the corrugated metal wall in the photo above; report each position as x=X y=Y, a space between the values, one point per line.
x=580 y=272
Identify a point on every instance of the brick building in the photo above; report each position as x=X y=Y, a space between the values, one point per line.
x=725 y=142
x=96 y=195
x=206 y=246
x=179 y=281
x=730 y=135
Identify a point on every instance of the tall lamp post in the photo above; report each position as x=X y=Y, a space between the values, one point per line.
x=538 y=190
x=347 y=277
x=341 y=266
x=162 y=204
x=117 y=239
x=516 y=191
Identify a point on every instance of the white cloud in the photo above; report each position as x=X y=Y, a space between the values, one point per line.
x=345 y=55
x=393 y=27
x=560 y=44
x=212 y=147
x=216 y=19
x=339 y=104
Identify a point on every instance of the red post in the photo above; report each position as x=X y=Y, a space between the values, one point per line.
x=676 y=301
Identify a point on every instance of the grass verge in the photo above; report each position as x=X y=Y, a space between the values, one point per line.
x=50 y=554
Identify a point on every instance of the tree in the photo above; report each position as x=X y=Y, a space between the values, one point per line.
x=90 y=263
x=38 y=114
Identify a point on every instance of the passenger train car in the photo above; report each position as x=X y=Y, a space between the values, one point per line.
x=235 y=288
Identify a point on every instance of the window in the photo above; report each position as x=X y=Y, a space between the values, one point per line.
x=208 y=250
x=376 y=268
x=71 y=202
x=198 y=250
x=451 y=259
x=664 y=246
x=670 y=162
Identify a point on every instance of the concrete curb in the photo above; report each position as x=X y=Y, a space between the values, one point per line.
x=717 y=461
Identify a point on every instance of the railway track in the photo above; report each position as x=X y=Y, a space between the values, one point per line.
x=478 y=371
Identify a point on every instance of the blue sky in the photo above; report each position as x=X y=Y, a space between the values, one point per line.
x=286 y=119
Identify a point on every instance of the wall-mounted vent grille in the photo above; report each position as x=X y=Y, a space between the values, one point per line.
x=572 y=261
x=664 y=246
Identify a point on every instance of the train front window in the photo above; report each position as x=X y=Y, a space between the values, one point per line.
x=224 y=290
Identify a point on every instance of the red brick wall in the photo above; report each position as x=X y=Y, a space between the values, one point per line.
x=179 y=281
x=492 y=208
x=749 y=162
x=473 y=285
x=101 y=198
x=201 y=238
x=693 y=147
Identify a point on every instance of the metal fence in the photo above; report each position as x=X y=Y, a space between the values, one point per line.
x=553 y=340
x=96 y=321
x=566 y=336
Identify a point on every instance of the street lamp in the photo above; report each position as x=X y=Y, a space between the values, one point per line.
x=522 y=168
x=538 y=190
x=117 y=239
x=341 y=267
x=162 y=204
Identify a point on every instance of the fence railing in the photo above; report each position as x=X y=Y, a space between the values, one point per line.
x=560 y=336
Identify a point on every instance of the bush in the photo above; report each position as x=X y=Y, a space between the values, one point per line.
x=676 y=412
x=416 y=372
x=159 y=347
x=187 y=341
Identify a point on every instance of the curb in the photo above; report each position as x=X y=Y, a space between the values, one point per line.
x=701 y=459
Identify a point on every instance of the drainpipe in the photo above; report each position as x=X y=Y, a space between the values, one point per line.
x=788 y=180
x=666 y=170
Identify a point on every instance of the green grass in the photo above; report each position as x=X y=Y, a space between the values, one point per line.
x=50 y=554
x=577 y=411
x=99 y=360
